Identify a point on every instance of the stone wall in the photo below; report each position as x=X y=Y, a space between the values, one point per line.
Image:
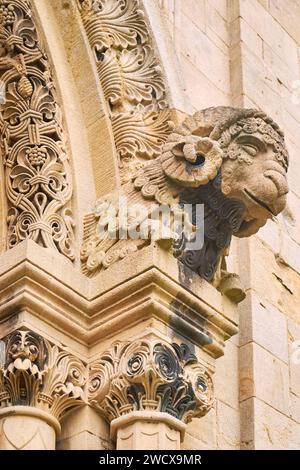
x=247 y=53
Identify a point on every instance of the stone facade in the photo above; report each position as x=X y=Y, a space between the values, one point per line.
x=142 y=342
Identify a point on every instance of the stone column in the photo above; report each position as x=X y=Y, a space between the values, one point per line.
x=38 y=383
x=148 y=390
x=147 y=430
x=27 y=428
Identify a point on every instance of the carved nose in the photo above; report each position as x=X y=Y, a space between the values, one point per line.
x=279 y=180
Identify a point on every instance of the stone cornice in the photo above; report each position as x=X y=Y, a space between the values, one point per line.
x=31 y=282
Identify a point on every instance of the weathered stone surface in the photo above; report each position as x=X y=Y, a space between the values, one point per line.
x=265 y=325
x=294 y=356
x=226 y=376
x=264 y=376
x=203 y=429
x=264 y=428
x=228 y=426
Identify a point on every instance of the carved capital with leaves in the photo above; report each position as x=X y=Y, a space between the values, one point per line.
x=35 y=373
x=149 y=375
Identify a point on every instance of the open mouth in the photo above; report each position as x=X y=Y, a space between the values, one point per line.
x=258 y=201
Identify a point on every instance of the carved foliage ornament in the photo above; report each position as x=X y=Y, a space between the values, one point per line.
x=232 y=161
x=131 y=77
x=36 y=373
x=152 y=376
x=33 y=147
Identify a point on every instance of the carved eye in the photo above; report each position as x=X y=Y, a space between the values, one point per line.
x=200 y=160
x=251 y=149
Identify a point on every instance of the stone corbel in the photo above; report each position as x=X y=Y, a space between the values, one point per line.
x=149 y=390
x=39 y=382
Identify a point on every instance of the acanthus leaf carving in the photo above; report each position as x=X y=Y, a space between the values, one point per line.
x=131 y=78
x=151 y=376
x=39 y=374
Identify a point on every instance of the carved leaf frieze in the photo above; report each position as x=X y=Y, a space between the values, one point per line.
x=130 y=75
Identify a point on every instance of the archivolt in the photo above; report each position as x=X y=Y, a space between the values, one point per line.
x=131 y=78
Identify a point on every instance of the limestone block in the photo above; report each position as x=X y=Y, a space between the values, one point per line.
x=271 y=32
x=283 y=283
x=226 y=376
x=268 y=429
x=240 y=31
x=191 y=443
x=265 y=3
x=290 y=218
x=277 y=67
x=289 y=252
x=199 y=87
x=228 y=427
x=295 y=407
x=264 y=376
x=195 y=10
x=270 y=234
x=262 y=323
x=84 y=441
x=203 y=430
x=217 y=23
x=294 y=356
x=204 y=54
x=220 y=6
x=84 y=419
x=287 y=14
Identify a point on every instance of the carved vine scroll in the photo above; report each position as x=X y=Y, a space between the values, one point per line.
x=33 y=145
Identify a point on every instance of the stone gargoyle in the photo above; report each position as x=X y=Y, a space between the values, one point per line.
x=233 y=161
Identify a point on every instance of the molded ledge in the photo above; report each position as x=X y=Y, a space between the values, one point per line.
x=40 y=283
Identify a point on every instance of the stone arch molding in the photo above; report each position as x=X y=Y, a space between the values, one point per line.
x=37 y=172
x=34 y=152
x=131 y=77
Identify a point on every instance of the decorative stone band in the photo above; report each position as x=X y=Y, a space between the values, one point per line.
x=131 y=78
x=150 y=376
x=35 y=373
x=33 y=144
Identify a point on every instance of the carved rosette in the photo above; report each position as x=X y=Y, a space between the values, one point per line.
x=150 y=376
x=35 y=373
x=37 y=174
x=131 y=78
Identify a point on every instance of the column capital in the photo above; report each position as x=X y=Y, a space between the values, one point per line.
x=36 y=373
x=151 y=376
